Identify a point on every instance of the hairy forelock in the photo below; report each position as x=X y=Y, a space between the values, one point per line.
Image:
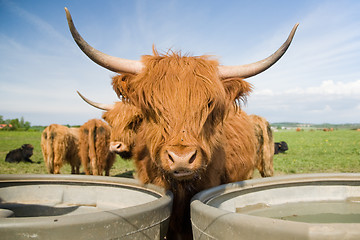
x=174 y=89
x=124 y=119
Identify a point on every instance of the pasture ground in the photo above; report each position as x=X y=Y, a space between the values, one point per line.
x=309 y=152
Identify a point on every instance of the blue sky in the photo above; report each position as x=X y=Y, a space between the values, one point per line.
x=316 y=81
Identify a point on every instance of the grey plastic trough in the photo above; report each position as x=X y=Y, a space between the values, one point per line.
x=81 y=207
x=253 y=209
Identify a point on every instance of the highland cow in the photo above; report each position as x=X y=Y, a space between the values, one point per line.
x=59 y=145
x=124 y=120
x=94 y=137
x=194 y=135
x=264 y=146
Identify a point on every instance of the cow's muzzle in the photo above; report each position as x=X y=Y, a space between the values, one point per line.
x=182 y=161
x=119 y=147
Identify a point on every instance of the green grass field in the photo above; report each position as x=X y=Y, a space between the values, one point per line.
x=309 y=152
x=318 y=152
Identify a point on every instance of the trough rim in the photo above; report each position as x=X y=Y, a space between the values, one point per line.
x=164 y=198
x=285 y=229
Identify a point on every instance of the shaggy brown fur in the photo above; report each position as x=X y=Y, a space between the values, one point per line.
x=189 y=111
x=94 y=139
x=125 y=120
x=59 y=145
x=265 y=146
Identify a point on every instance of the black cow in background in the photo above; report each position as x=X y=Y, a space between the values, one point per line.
x=20 y=154
x=280 y=147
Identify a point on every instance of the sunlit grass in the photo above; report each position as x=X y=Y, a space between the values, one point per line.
x=318 y=151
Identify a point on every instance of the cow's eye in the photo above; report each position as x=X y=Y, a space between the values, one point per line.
x=135 y=123
x=210 y=104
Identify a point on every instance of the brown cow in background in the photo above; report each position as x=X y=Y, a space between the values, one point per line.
x=124 y=120
x=265 y=146
x=192 y=137
x=94 y=139
x=59 y=145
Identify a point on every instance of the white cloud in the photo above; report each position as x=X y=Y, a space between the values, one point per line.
x=327 y=108
x=330 y=101
x=326 y=88
x=336 y=88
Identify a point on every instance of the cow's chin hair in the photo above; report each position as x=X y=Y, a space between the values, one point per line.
x=195 y=175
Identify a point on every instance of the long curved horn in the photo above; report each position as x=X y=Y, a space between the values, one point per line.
x=114 y=64
x=249 y=70
x=102 y=106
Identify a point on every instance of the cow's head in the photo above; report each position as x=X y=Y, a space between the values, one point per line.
x=27 y=150
x=124 y=120
x=184 y=104
x=184 y=101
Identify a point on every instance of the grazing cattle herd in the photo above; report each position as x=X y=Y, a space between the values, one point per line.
x=88 y=145
x=180 y=120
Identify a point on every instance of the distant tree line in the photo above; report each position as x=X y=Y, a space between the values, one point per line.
x=280 y=125
x=14 y=124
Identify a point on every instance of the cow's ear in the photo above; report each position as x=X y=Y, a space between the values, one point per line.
x=120 y=84
x=237 y=88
